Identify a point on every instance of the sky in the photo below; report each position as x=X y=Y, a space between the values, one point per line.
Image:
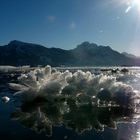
x=67 y=23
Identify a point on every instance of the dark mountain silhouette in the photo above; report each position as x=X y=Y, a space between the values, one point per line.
x=129 y=55
x=86 y=54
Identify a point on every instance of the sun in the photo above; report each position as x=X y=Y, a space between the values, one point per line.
x=133 y=4
x=136 y=3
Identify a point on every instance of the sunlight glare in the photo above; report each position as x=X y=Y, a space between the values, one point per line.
x=135 y=3
x=128 y=9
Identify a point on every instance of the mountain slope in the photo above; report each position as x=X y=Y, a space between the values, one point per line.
x=20 y=53
x=91 y=54
x=86 y=54
x=129 y=55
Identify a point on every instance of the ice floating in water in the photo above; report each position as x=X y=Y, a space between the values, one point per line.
x=46 y=82
x=5 y=99
x=80 y=100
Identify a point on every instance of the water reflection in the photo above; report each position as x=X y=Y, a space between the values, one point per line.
x=42 y=115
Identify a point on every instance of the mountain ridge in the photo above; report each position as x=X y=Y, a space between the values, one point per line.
x=85 y=54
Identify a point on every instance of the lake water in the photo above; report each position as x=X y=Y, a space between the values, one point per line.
x=73 y=117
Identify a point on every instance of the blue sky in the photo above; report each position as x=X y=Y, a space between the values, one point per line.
x=67 y=23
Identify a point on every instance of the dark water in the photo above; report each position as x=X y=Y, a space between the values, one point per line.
x=46 y=120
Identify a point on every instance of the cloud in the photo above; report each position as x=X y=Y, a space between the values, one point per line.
x=51 y=18
x=72 y=26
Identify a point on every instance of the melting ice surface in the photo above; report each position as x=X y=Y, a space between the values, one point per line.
x=79 y=100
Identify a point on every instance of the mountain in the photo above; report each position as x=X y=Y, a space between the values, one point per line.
x=92 y=54
x=18 y=53
x=129 y=55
